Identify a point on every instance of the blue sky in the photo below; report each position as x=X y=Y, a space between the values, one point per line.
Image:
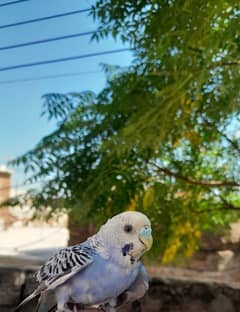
x=21 y=126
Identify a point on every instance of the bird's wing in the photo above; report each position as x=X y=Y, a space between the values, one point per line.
x=59 y=268
x=63 y=265
x=137 y=290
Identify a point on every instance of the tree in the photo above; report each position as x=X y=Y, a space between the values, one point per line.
x=162 y=136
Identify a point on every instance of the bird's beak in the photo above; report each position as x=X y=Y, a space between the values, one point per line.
x=145 y=237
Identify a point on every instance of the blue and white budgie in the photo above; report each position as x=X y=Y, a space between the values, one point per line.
x=99 y=271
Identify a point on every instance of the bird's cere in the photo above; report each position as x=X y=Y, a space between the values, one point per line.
x=145 y=236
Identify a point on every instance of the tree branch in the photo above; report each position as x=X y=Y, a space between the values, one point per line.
x=195 y=182
x=230 y=63
x=234 y=144
x=230 y=207
x=225 y=206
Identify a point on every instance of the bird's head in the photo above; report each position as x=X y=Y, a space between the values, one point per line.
x=129 y=232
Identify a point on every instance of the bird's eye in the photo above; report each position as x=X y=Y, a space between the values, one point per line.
x=128 y=228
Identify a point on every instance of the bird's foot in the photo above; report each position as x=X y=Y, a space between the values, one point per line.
x=106 y=308
x=63 y=309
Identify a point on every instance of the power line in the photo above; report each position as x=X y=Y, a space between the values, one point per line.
x=63 y=59
x=40 y=19
x=50 y=77
x=16 y=186
x=12 y=2
x=29 y=43
x=39 y=240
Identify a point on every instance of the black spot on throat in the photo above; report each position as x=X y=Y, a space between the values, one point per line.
x=126 y=248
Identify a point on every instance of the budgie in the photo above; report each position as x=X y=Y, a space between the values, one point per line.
x=104 y=271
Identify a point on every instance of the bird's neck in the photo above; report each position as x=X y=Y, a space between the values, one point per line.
x=111 y=252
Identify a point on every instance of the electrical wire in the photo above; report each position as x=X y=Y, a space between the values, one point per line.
x=12 y=2
x=63 y=59
x=30 y=43
x=34 y=242
x=16 y=186
x=3 y=82
x=40 y=19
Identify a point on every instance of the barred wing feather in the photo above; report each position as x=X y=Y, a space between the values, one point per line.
x=63 y=265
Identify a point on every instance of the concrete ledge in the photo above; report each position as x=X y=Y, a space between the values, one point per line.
x=20 y=262
x=166 y=294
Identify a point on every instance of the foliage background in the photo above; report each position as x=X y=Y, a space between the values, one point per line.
x=162 y=137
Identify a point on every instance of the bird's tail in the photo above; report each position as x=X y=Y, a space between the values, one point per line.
x=26 y=300
x=46 y=302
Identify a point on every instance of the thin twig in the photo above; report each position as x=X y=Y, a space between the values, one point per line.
x=234 y=144
x=193 y=181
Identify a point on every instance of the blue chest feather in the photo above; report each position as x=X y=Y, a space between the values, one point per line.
x=100 y=281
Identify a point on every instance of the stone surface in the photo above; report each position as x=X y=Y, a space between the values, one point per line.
x=166 y=294
x=11 y=282
x=222 y=303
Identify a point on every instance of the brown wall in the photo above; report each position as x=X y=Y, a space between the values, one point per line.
x=5 y=185
x=5 y=189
